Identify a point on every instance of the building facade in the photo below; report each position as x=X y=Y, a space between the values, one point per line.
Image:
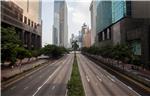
x=60 y=27
x=85 y=36
x=125 y=22
x=25 y=17
x=93 y=21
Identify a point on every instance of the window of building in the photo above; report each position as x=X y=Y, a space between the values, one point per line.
x=32 y=24
x=25 y=19
x=103 y=35
x=35 y=25
x=100 y=36
x=136 y=47
x=16 y=14
x=29 y=22
x=108 y=33
x=20 y=17
x=129 y=9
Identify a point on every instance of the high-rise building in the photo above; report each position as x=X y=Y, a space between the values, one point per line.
x=60 y=27
x=25 y=17
x=125 y=22
x=85 y=36
x=93 y=21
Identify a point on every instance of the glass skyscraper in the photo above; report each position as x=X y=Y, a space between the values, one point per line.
x=60 y=27
x=118 y=10
x=109 y=12
x=124 y=22
x=104 y=18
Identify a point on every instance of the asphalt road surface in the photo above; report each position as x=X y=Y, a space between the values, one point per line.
x=49 y=81
x=98 y=82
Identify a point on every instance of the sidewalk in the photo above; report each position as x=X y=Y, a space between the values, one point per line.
x=9 y=72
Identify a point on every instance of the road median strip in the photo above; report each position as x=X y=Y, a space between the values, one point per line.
x=75 y=87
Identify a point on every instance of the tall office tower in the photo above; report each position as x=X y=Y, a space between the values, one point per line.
x=93 y=21
x=125 y=22
x=85 y=36
x=60 y=27
x=25 y=17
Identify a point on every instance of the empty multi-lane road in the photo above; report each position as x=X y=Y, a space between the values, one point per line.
x=98 y=82
x=48 y=81
x=52 y=79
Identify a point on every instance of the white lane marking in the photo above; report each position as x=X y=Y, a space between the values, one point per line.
x=99 y=78
x=46 y=80
x=26 y=88
x=111 y=78
x=53 y=87
x=13 y=87
x=129 y=87
x=147 y=79
x=87 y=78
x=66 y=92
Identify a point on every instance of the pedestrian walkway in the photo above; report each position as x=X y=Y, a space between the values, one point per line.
x=9 y=72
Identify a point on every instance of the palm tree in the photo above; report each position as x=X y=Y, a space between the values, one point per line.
x=75 y=46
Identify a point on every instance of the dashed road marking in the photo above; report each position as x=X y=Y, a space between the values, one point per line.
x=99 y=78
x=47 y=80
x=87 y=78
x=26 y=88
x=13 y=87
x=53 y=87
x=66 y=92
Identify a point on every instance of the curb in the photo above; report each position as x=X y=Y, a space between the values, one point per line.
x=120 y=75
x=11 y=80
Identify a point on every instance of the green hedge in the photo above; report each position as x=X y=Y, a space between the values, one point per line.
x=75 y=87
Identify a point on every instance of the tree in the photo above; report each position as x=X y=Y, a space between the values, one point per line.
x=119 y=52
x=47 y=50
x=9 y=42
x=75 y=46
x=29 y=55
x=22 y=53
x=36 y=53
x=53 y=51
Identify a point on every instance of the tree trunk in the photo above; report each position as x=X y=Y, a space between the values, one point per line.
x=74 y=53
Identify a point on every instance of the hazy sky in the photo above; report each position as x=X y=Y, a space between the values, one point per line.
x=78 y=13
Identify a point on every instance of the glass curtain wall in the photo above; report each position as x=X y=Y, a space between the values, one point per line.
x=109 y=12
